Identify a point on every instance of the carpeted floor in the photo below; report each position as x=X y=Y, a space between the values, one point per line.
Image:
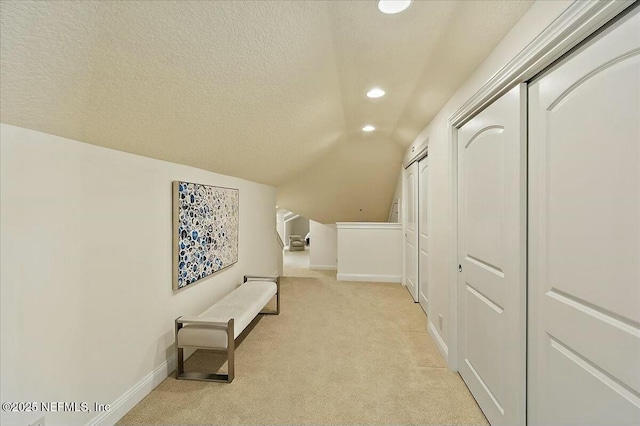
x=339 y=353
x=296 y=259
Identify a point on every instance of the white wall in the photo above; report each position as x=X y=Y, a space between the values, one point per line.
x=539 y=16
x=87 y=303
x=324 y=246
x=280 y=225
x=288 y=230
x=395 y=214
x=397 y=195
x=300 y=226
x=297 y=226
x=369 y=251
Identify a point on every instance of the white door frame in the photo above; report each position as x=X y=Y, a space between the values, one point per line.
x=575 y=24
x=422 y=190
x=414 y=156
x=414 y=211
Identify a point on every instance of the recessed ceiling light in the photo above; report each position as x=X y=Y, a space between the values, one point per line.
x=391 y=7
x=368 y=128
x=376 y=92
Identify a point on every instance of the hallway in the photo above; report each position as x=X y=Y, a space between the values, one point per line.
x=339 y=353
x=296 y=259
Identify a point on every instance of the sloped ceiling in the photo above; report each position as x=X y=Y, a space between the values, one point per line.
x=269 y=91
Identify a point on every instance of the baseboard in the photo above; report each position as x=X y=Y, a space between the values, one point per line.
x=370 y=278
x=130 y=398
x=324 y=267
x=442 y=347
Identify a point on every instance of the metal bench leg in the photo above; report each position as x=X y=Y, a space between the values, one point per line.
x=278 y=296
x=179 y=353
x=209 y=377
x=277 y=310
x=231 y=350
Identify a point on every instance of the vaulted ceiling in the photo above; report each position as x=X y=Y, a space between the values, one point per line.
x=269 y=91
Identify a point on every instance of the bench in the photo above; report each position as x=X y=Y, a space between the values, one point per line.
x=217 y=328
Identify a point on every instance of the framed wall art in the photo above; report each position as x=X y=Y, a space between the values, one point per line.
x=205 y=231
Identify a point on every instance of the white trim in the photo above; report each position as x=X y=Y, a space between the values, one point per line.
x=452 y=335
x=324 y=267
x=134 y=395
x=289 y=217
x=403 y=221
x=369 y=225
x=374 y=278
x=442 y=347
x=422 y=151
x=574 y=25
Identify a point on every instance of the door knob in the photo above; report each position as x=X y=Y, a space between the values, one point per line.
x=460 y=268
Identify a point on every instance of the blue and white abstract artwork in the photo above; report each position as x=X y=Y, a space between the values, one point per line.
x=205 y=231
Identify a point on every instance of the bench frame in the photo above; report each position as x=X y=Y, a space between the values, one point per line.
x=231 y=344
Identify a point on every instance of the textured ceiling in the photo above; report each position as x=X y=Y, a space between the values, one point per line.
x=270 y=91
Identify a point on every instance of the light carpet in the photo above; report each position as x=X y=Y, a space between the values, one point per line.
x=296 y=259
x=338 y=353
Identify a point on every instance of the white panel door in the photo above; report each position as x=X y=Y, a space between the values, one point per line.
x=492 y=257
x=411 y=229
x=584 y=235
x=424 y=233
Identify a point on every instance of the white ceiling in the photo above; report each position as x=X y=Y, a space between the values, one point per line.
x=270 y=91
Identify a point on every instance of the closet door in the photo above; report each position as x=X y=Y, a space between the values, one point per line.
x=584 y=235
x=411 y=229
x=424 y=233
x=492 y=256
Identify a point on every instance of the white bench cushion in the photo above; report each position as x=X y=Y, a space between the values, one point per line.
x=242 y=304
